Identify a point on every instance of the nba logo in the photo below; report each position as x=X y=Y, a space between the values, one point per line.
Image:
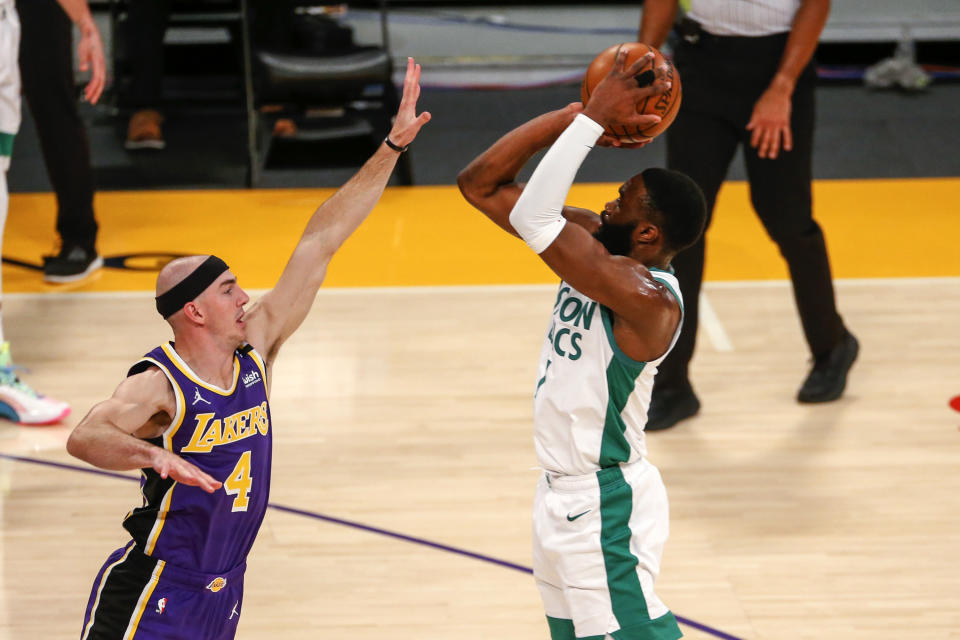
x=161 y=605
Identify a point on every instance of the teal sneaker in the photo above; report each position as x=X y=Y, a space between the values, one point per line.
x=19 y=403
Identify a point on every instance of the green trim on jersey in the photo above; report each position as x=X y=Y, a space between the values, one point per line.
x=626 y=595
x=622 y=374
x=6 y=144
x=653 y=273
x=671 y=290
x=607 y=314
x=562 y=629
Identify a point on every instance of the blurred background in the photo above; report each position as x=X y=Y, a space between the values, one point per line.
x=231 y=69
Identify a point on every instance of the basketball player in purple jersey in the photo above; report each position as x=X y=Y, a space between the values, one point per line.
x=198 y=411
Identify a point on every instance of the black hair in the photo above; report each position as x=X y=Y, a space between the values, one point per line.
x=681 y=205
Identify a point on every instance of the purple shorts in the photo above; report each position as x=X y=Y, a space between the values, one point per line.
x=137 y=597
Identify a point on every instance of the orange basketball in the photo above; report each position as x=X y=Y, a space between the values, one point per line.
x=664 y=105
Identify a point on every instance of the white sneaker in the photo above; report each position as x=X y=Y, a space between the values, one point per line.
x=20 y=403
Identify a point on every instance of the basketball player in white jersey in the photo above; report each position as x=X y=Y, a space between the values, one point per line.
x=600 y=514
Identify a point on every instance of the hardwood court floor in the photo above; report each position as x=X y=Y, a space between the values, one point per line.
x=409 y=410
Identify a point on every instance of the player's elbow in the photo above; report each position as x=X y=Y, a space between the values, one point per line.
x=80 y=441
x=76 y=443
x=467 y=183
x=474 y=187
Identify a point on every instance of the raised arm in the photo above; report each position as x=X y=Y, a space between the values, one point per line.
x=490 y=184
x=489 y=181
x=109 y=436
x=279 y=312
x=618 y=282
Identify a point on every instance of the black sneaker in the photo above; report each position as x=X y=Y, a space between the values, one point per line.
x=668 y=406
x=71 y=264
x=828 y=378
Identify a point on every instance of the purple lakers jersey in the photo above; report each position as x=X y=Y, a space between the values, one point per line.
x=227 y=434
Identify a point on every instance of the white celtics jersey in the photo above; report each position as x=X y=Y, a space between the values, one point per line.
x=591 y=399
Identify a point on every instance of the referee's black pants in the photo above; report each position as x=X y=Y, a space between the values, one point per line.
x=46 y=70
x=722 y=79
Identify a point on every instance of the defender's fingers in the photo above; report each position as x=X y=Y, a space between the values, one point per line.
x=409 y=78
x=201 y=479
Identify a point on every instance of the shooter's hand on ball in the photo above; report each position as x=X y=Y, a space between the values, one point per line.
x=614 y=100
x=606 y=140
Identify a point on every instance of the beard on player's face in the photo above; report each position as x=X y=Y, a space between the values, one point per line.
x=616 y=238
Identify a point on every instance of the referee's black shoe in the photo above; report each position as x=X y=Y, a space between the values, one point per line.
x=828 y=378
x=670 y=405
x=71 y=264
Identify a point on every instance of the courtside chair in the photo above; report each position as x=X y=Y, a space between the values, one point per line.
x=331 y=97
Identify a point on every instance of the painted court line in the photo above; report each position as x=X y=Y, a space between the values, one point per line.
x=710 y=322
x=356 y=525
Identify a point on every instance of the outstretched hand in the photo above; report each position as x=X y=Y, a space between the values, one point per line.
x=614 y=100
x=407 y=123
x=171 y=465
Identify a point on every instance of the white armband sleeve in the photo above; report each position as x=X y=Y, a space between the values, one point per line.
x=537 y=215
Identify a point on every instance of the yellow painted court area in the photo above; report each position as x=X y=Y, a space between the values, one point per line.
x=429 y=236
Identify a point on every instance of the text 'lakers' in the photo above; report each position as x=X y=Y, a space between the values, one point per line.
x=210 y=433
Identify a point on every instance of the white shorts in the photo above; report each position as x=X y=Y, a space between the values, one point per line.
x=597 y=543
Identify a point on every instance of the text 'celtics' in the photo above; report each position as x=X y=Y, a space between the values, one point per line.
x=573 y=311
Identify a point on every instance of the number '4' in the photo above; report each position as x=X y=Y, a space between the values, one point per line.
x=238 y=483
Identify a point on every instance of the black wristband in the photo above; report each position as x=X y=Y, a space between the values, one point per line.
x=393 y=145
